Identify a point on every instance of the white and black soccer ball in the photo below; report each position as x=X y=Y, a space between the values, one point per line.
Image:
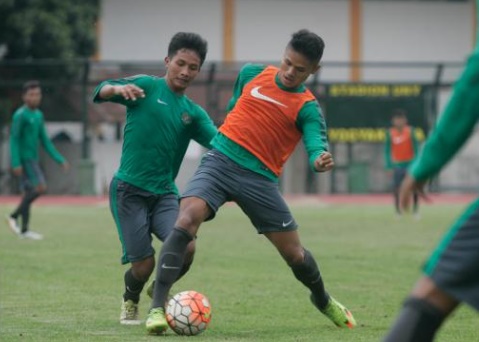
x=188 y=313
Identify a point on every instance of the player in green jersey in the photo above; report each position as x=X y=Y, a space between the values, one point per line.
x=160 y=122
x=27 y=131
x=451 y=275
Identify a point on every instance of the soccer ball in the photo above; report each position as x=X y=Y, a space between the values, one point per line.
x=188 y=313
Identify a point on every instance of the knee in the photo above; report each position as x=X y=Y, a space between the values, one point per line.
x=187 y=221
x=143 y=269
x=193 y=211
x=294 y=255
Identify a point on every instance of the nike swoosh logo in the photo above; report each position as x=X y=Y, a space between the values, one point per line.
x=169 y=267
x=255 y=93
x=162 y=102
x=285 y=224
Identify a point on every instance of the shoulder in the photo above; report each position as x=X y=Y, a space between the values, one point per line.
x=251 y=69
x=141 y=80
x=312 y=107
x=19 y=113
x=140 y=77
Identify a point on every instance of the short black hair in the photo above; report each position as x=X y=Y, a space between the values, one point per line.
x=190 y=41
x=30 y=85
x=308 y=44
x=399 y=113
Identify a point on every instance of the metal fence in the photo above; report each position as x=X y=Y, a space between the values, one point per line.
x=68 y=86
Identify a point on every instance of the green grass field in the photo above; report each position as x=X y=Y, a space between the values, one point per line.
x=68 y=287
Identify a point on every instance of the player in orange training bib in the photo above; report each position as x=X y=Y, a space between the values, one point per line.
x=270 y=112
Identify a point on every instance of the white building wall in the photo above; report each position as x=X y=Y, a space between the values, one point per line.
x=412 y=31
x=140 y=30
x=392 y=30
x=264 y=27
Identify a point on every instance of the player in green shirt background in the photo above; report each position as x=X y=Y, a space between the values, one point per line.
x=451 y=275
x=160 y=122
x=27 y=131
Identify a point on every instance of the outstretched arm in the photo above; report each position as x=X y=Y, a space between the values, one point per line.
x=127 y=91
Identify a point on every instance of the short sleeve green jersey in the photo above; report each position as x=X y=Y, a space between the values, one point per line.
x=27 y=131
x=157 y=132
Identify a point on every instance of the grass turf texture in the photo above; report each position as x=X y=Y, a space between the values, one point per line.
x=68 y=287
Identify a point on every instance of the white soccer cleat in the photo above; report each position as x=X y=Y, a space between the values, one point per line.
x=12 y=224
x=31 y=235
x=129 y=313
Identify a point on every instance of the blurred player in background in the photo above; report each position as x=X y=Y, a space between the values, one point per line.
x=451 y=275
x=270 y=112
x=400 y=149
x=160 y=122
x=27 y=131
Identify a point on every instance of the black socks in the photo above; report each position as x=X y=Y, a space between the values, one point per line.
x=170 y=264
x=23 y=209
x=308 y=274
x=417 y=322
x=133 y=287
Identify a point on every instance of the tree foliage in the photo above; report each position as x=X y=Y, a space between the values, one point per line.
x=57 y=29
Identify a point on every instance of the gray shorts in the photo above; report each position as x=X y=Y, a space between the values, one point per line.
x=32 y=175
x=399 y=173
x=218 y=179
x=138 y=214
x=454 y=264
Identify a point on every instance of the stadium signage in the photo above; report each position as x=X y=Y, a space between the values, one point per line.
x=362 y=112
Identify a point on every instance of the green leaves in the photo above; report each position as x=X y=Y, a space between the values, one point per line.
x=59 y=29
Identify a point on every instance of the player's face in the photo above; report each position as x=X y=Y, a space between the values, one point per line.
x=399 y=121
x=295 y=68
x=182 y=69
x=33 y=97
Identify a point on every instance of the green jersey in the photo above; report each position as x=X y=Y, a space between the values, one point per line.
x=157 y=132
x=28 y=129
x=309 y=121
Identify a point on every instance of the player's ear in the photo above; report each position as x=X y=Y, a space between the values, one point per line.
x=167 y=61
x=316 y=69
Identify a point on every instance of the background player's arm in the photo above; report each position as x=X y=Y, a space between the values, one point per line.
x=49 y=147
x=313 y=126
x=205 y=129
x=15 y=133
x=453 y=129
x=387 y=151
x=125 y=91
